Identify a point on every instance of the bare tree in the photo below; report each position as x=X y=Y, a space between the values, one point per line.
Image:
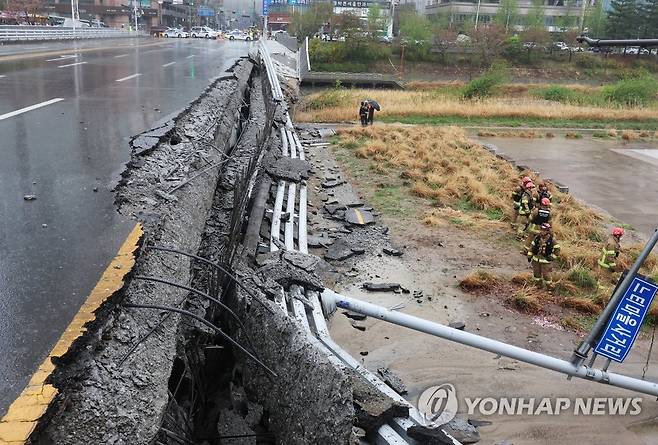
x=25 y=9
x=488 y=42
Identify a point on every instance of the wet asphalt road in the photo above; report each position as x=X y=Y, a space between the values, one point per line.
x=618 y=177
x=61 y=152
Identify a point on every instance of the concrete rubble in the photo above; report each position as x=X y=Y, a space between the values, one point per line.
x=143 y=376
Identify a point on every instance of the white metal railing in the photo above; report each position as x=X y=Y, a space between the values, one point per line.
x=39 y=33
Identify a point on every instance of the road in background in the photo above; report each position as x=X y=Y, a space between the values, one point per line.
x=65 y=123
x=615 y=176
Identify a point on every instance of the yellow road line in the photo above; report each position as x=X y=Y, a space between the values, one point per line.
x=359 y=216
x=58 y=52
x=24 y=414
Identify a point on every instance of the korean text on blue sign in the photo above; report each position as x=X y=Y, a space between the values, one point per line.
x=626 y=320
x=266 y=7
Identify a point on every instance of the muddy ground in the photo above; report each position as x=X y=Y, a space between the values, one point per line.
x=433 y=261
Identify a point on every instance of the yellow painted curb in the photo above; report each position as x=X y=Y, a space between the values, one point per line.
x=24 y=414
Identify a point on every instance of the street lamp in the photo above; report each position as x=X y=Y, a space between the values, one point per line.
x=160 y=2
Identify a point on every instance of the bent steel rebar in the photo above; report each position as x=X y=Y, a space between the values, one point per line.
x=216 y=266
x=206 y=323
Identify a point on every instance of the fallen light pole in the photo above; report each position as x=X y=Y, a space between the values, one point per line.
x=332 y=300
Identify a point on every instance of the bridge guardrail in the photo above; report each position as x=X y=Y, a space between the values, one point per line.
x=39 y=33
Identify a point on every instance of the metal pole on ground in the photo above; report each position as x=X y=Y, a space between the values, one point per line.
x=580 y=354
x=330 y=300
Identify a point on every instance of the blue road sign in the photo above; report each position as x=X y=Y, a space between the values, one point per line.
x=626 y=320
x=266 y=7
x=204 y=11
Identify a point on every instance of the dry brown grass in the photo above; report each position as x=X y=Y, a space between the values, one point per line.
x=526 y=134
x=629 y=135
x=430 y=104
x=480 y=279
x=526 y=299
x=580 y=304
x=466 y=186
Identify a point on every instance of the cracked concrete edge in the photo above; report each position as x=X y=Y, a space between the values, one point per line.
x=26 y=411
x=99 y=400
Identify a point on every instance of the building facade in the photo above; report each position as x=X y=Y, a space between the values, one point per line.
x=459 y=12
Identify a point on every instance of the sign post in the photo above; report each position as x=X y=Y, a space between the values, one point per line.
x=625 y=322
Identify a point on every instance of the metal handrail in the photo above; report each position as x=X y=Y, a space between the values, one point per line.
x=33 y=33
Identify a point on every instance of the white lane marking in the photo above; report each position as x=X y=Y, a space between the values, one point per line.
x=30 y=108
x=121 y=55
x=168 y=64
x=71 y=64
x=2 y=75
x=128 y=77
x=190 y=56
x=62 y=58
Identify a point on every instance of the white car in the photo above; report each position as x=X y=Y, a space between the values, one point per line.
x=238 y=35
x=203 y=32
x=175 y=32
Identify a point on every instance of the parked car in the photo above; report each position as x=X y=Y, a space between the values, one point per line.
x=236 y=34
x=203 y=32
x=561 y=46
x=176 y=32
x=158 y=30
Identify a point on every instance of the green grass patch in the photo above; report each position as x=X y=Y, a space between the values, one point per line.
x=601 y=135
x=466 y=206
x=389 y=199
x=494 y=214
x=649 y=124
x=582 y=278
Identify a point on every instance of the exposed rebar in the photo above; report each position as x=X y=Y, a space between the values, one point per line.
x=216 y=266
x=206 y=323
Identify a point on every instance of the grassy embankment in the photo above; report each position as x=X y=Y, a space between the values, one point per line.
x=439 y=176
x=510 y=105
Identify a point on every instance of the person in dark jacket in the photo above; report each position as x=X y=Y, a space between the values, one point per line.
x=363 y=113
x=371 y=113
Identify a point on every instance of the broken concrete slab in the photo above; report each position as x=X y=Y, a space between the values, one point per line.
x=354 y=315
x=332 y=183
x=460 y=325
x=340 y=251
x=143 y=145
x=289 y=169
x=333 y=208
x=356 y=325
x=373 y=408
x=359 y=217
x=381 y=287
x=326 y=132
x=429 y=436
x=392 y=380
x=462 y=431
x=287 y=268
x=318 y=241
x=392 y=252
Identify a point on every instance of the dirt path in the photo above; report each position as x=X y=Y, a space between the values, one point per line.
x=433 y=262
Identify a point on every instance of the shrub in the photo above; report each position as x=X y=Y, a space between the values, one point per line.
x=556 y=93
x=582 y=278
x=632 y=91
x=484 y=85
